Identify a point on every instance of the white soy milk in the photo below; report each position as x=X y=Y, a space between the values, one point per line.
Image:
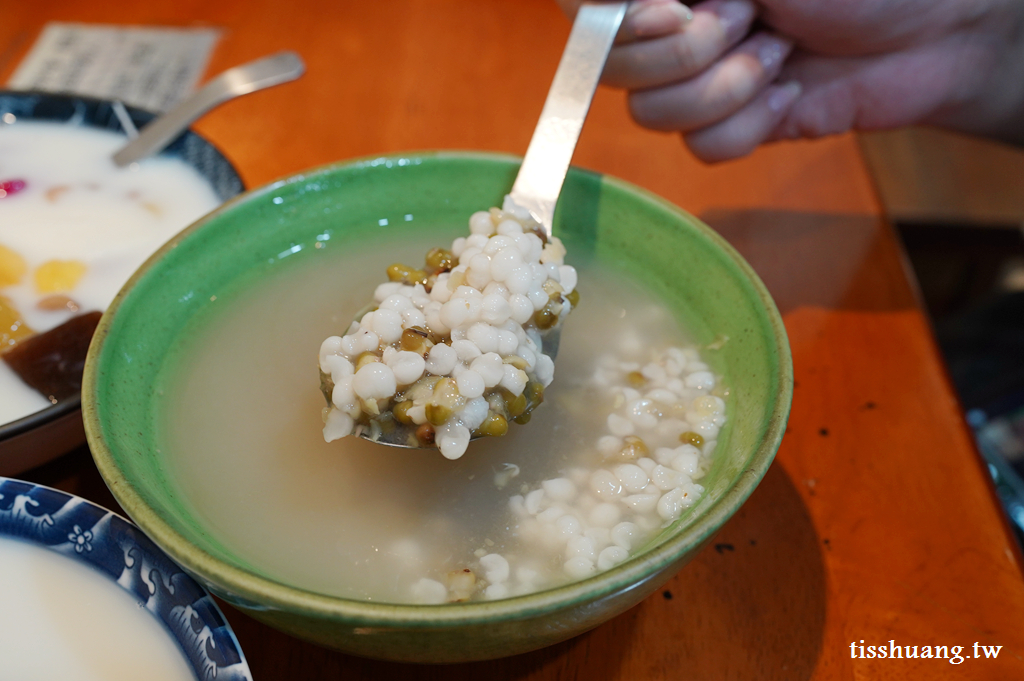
x=76 y=205
x=60 y=619
x=353 y=518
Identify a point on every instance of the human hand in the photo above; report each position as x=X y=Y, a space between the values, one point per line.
x=814 y=67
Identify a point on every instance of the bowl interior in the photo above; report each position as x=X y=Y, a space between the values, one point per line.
x=72 y=110
x=100 y=541
x=720 y=302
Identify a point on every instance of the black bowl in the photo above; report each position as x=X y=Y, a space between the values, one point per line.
x=48 y=433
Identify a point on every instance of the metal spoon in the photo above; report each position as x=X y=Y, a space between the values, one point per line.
x=235 y=82
x=546 y=163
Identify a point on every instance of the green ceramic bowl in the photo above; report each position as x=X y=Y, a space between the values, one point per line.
x=695 y=273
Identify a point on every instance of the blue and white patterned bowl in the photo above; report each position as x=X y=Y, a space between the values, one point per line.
x=48 y=433
x=103 y=541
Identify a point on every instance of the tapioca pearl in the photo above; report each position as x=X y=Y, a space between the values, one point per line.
x=521 y=308
x=466 y=350
x=337 y=367
x=661 y=396
x=429 y=592
x=611 y=556
x=477 y=241
x=467 y=257
x=551 y=270
x=490 y=367
x=397 y=302
x=605 y=485
x=496 y=592
x=386 y=289
x=480 y=223
x=553 y=252
x=652 y=489
x=366 y=321
x=452 y=440
x=600 y=536
x=676 y=355
x=504 y=262
x=418 y=414
x=664 y=455
x=609 y=444
x=495 y=310
x=538 y=298
x=374 y=381
x=580 y=547
x=708 y=405
x=474 y=413
x=519 y=279
x=672 y=369
x=536 y=247
x=527 y=575
x=670 y=506
x=676 y=385
x=497 y=243
x=646 y=464
x=550 y=514
x=544 y=369
x=387 y=324
x=700 y=380
x=632 y=477
x=524 y=246
x=642 y=413
x=479 y=274
x=513 y=380
x=495 y=567
x=413 y=317
x=338 y=425
x=496 y=288
x=670 y=428
x=434 y=323
x=559 y=489
x=331 y=347
x=665 y=478
x=641 y=503
x=507 y=342
x=535 y=501
x=517 y=504
x=685 y=459
x=407 y=366
x=470 y=384
x=654 y=373
x=568 y=524
x=441 y=359
x=579 y=568
x=458 y=246
x=568 y=278
x=697 y=364
x=484 y=336
x=605 y=515
x=619 y=425
x=510 y=228
x=625 y=534
x=528 y=355
x=706 y=429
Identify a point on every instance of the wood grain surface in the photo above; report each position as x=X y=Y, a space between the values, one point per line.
x=876 y=522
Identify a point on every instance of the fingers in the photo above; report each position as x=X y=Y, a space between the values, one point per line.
x=741 y=133
x=719 y=92
x=653 y=19
x=646 y=61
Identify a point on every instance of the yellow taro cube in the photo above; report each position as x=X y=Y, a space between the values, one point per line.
x=12 y=267
x=54 y=276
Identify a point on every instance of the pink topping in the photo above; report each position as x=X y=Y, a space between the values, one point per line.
x=9 y=187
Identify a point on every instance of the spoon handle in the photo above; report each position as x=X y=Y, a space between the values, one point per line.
x=240 y=80
x=547 y=158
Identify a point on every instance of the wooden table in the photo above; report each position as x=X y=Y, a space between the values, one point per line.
x=877 y=521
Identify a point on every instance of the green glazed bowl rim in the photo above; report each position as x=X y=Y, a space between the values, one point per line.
x=262 y=593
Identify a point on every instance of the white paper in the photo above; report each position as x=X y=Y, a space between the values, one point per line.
x=151 y=68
